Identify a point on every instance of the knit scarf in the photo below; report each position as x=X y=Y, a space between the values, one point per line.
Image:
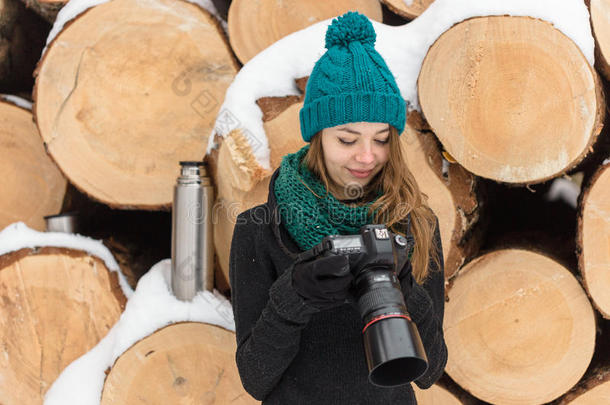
x=309 y=217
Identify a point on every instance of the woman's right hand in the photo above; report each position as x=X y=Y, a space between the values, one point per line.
x=323 y=282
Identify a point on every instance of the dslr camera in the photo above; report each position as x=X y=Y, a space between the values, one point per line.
x=394 y=351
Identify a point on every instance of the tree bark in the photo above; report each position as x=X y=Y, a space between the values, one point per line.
x=45 y=8
x=22 y=38
x=594 y=390
x=599 y=11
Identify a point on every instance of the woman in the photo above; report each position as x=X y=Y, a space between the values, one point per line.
x=299 y=334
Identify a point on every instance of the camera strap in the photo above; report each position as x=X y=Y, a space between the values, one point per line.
x=311 y=253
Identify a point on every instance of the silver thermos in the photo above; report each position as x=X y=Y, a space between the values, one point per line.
x=192 y=244
x=66 y=222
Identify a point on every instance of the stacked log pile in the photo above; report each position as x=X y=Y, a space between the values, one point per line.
x=503 y=120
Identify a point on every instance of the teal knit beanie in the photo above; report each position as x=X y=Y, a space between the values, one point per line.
x=350 y=82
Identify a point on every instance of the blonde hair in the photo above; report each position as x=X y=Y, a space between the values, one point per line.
x=400 y=196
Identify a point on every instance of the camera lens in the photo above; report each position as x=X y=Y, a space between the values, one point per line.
x=393 y=348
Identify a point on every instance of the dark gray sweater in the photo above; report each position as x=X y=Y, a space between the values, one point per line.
x=289 y=353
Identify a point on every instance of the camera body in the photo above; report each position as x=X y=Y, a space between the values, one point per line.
x=393 y=347
x=375 y=247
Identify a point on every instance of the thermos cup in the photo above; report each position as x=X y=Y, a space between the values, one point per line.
x=192 y=245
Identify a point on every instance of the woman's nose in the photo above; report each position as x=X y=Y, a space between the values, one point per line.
x=365 y=155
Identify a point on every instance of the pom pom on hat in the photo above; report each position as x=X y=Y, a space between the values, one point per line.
x=351 y=26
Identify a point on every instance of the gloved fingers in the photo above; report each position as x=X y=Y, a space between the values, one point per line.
x=329 y=266
x=330 y=296
x=337 y=284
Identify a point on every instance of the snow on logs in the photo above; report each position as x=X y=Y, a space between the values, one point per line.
x=508 y=108
x=119 y=102
x=519 y=328
x=254 y=25
x=593 y=247
x=57 y=304
x=33 y=186
x=188 y=362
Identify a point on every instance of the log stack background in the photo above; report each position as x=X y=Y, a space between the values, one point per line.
x=119 y=102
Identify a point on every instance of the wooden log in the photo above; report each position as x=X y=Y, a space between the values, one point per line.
x=47 y=9
x=56 y=305
x=453 y=196
x=33 y=185
x=409 y=11
x=22 y=38
x=137 y=239
x=600 y=25
x=254 y=25
x=120 y=102
x=592 y=239
x=232 y=162
x=435 y=395
x=9 y=13
x=504 y=109
x=594 y=390
x=519 y=328
x=186 y=363
x=222 y=7
x=594 y=387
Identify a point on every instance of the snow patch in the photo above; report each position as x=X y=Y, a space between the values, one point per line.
x=18 y=101
x=565 y=190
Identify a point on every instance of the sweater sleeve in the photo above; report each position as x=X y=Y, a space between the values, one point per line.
x=269 y=315
x=426 y=305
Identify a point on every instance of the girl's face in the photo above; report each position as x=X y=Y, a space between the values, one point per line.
x=355 y=152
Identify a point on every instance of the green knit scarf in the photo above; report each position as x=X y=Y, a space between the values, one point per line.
x=307 y=217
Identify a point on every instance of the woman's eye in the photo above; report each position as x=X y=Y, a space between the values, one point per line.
x=343 y=141
x=383 y=141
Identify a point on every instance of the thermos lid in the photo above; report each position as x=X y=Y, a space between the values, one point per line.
x=63 y=214
x=193 y=163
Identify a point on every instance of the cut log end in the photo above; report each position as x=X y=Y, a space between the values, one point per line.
x=147 y=96
x=519 y=328
x=33 y=185
x=255 y=25
x=181 y=363
x=56 y=305
x=594 y=239
x=504 y=96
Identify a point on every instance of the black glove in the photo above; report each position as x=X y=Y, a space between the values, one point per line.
x=323 y=282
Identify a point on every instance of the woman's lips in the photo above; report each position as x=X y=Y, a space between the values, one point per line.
x=360 y=174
